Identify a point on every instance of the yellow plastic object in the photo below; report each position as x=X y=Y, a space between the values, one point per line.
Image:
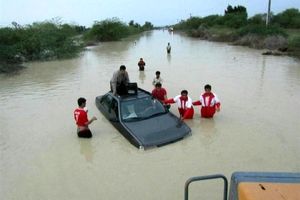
x=268 y=191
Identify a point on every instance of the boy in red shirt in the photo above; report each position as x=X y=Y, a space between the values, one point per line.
x=81 y=118
x=159 y=92
x=209 y=102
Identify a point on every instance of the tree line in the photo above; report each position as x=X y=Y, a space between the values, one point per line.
x=55 y=40
x=237 y=17
x=235 y=26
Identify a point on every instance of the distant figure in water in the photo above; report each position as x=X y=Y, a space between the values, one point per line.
x=209 y=102
x=141 y=64
x=157 y=78
x=168 y=48
x=81 y=118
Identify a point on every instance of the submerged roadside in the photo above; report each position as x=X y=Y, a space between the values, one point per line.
x=273 y=44
x=280 y=37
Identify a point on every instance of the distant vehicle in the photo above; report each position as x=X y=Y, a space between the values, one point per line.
x=142 y=119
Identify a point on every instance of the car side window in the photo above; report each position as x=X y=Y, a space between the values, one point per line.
x=114 y=108
x=106 y=102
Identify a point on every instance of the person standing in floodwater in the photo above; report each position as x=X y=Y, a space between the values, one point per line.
x=157 y=78
x=159 y=92
x=141 y=64
x=81 y=118
x=184 y=103
x=209 y=102
x=168 y=48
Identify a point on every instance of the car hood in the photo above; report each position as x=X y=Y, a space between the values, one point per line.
x=159 y=130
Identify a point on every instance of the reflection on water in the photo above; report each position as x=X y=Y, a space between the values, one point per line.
x=169 y=57
x=142 y=76
x=208 y=128
x=86 y=149
x=257 y=128
x=208 y=131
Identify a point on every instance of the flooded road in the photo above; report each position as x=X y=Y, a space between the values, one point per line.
x=257 y=129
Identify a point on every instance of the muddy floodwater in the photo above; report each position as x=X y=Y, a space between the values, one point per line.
x=257 y=129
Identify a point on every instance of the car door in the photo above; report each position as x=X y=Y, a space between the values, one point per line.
x=110 y=108
x=114 y=117
x=114 y=110
x=105 y=105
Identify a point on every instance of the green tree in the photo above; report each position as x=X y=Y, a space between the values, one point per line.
x=41 y=40
x=131 y=23
x=235 y=17
x=147 y=26
x=235 y=9
x=212 y=20
x=108 y=30
x=258 y=19
x=289 y=18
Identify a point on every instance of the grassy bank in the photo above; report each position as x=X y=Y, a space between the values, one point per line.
x=294 y=42
x=282 y=36
x=278 y=40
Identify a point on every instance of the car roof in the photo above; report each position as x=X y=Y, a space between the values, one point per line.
x=138 y=95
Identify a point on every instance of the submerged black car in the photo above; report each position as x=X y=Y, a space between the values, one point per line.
x=142 y=119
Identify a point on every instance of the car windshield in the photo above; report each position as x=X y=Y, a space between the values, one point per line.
x=139 y=109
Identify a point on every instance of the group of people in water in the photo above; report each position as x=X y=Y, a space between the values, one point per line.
x=209 y=102
x=142 y=63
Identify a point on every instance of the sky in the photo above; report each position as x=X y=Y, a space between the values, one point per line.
x=158 y=12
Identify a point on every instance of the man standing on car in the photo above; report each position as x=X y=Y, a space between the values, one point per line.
x=119 y=81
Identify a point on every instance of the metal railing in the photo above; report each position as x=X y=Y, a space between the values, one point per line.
x=200 y=178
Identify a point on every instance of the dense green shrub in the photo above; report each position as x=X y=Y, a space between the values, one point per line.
x=113 y=29
x=108 y=30
x=212 y=20
x=192 y=23
x=39 y=41
x=261 y=30
x=10 y=45
x=147 y=26
x=51 y=39
x=235 y=17
x=258 y=19
x=290 y=18
x=235 y=20
x=295 y=42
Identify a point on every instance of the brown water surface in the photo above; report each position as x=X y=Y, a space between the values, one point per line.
x=258 y=128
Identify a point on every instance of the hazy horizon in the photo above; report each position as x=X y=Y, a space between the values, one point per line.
x=159 y=13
